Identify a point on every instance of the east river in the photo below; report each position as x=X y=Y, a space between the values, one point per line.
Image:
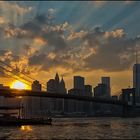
x=77 y=128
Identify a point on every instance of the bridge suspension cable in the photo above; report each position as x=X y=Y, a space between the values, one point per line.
x=16 y=70
x=26 y=81
x=17 y=77
x=21 y=73
x=11 y=76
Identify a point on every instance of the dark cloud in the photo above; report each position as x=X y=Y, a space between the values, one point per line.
x=115 y=51
x=37 y=59
x=41 y=19
x=46 y=62
x=32 y=28
x=39 y=27
x=106 y=50
x=55 y=40
x=95 y=49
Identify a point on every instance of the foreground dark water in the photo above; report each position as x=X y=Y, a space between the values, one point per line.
x=77 y=128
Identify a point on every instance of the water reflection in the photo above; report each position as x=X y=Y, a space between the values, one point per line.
x=26 y=128
x=77 y=128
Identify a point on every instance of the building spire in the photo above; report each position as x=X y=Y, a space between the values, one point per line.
x=136 y=54
x=57 y=77
x=62 y=81
x=62 y=86
x=136 y=57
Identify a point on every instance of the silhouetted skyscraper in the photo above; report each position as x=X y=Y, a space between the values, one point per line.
x=57 y=78
x=4 y=87
x=100 y=90
x=106 y=81
x=51 y=86
x=79 y=87
x=88 y=90
x=79 y=82
x=62 y=86
x=56 y=86
x=36 y=86
x=136 y=78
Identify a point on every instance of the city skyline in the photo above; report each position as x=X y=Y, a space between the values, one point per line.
x=58 y=86
x=21 y=84
x=42 y=38
x=69 y=69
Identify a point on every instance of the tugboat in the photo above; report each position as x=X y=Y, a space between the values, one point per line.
x=8 y=119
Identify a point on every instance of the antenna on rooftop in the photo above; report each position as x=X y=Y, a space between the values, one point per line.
x=136 y=55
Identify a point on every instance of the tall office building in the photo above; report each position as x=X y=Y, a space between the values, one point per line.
x=4 y=87
x=100 y=90
x=78 y=89
x=33 y=105
x=79 y=82
x=136 y=78
x=56 y=85
x=36 y=86
x=88 y=90
x=106 y=81
x=62 y=86
x=51 y=86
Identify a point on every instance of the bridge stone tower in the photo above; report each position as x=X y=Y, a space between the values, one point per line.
x=129 y=103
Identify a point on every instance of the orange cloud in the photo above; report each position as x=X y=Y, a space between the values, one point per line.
x=75 y=35
x=118 y=33
x=39 y=41
x=3 y=20
x=51 y=55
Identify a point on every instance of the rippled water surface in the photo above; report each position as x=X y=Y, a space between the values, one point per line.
x=77 y=128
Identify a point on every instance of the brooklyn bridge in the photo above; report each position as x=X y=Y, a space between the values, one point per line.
x=127 y=107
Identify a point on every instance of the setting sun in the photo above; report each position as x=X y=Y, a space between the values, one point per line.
x=18 y=85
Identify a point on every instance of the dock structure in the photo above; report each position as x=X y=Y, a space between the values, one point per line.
x=10 y=111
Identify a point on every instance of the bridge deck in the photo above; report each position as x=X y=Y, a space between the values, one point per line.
x=16 y=93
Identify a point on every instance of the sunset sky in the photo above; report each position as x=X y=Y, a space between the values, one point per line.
x=91 y=39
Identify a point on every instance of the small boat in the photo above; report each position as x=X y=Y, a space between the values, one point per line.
x=13 y=121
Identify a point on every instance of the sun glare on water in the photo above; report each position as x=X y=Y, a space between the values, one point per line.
x=26 y=128
x=18 y=85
